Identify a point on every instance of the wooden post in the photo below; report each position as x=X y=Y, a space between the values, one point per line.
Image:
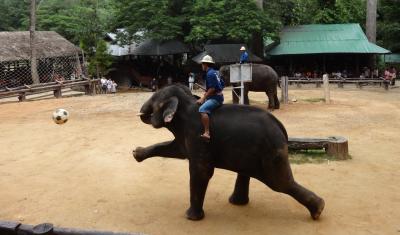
x=284 y=89
x=338 y=147
x=57 y=92
x=22 y=97
x=34 y=73
x=326 y=88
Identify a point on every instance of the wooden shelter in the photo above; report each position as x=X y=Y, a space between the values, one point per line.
x=57 y=58
x=323 y=48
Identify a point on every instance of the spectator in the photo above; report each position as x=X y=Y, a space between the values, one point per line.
x=103 y=82
x=113 y=87
x=375 y=74
x=191 y=81
x=109 y=85
x=393 y=74
x=387 y=75
x=153 y=84
x=169 y=80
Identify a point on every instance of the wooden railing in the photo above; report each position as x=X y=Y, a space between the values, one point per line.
x=340 y=82
x=22 y=91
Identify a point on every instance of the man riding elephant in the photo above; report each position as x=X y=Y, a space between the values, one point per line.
x=213 y=97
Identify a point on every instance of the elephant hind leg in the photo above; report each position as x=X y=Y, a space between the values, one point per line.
x=240 y=195
x=277 y=104
x=278 y=176
x=271 y=100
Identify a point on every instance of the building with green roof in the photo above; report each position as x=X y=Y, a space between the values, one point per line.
x=323 y=48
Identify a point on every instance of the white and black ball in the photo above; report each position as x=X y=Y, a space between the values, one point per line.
x=60 y=116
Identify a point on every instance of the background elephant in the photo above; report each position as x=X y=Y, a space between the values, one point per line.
x=244 y=139
x=265 y=79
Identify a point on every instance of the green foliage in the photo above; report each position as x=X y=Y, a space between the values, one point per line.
x=85 y=22
x=389 y=24
x=157 y=19
x=295 y=12
x=196 y=21
x=230 y=20
x=101 y=61
x=14 y=15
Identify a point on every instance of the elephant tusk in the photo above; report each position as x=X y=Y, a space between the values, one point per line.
x=140 y=114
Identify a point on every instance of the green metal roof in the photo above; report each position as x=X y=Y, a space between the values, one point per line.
x=324 y=38
x=392 y=58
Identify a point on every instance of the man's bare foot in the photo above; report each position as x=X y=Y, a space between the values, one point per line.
x=205 y=136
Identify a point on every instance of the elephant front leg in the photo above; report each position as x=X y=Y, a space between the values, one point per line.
x=200 y=174
x=240 y=195
x=168 y=149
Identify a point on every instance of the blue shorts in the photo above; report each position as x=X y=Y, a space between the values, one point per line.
x=209 y=106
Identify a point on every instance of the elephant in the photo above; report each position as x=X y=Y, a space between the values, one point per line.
x=264 y=79
x=244 y=139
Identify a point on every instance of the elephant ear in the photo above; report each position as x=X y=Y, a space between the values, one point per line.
x=170 y=107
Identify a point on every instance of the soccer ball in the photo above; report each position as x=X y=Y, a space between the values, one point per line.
x=60 y=116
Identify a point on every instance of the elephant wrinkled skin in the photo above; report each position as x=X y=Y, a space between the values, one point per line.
x=244 y=139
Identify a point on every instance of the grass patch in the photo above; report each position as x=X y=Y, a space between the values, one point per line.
x=314 y=100
x=309 y=156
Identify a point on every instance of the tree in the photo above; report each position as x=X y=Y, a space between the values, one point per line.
x=389 y=24
x=14 y=15
x=162 y=19
x=196 y=21
x=101 y=61
x=32 y=29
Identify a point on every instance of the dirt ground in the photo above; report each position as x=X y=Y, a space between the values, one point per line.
x=82 y=174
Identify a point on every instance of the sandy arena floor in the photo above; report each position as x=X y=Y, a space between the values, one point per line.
x=82 y=174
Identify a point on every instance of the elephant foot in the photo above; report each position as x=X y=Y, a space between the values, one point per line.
x=139 y=154
x=317 y=210
x=239 y=201
x=193 y=214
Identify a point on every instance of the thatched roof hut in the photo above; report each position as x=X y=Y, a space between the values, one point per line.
x=15 y=46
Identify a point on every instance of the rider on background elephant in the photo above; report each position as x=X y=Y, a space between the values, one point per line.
x=245 y=139
x=264 y=79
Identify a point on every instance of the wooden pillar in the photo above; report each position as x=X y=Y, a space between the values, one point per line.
x=285 y=89
x=57 y=92
x=326 y=89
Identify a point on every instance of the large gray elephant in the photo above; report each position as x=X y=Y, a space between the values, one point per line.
x=265 y=79
x=244 y=139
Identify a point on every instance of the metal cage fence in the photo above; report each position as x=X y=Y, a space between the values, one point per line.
x=18 y=73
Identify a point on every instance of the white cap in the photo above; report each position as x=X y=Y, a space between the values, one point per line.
x=243 y=48
x=207 y=59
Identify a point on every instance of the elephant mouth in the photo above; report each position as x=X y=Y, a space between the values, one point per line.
x=145 y=117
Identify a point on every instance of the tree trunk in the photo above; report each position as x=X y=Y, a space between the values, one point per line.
x=257 y=43
x=371 y=20
x=371 y=27
x=34 y=72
